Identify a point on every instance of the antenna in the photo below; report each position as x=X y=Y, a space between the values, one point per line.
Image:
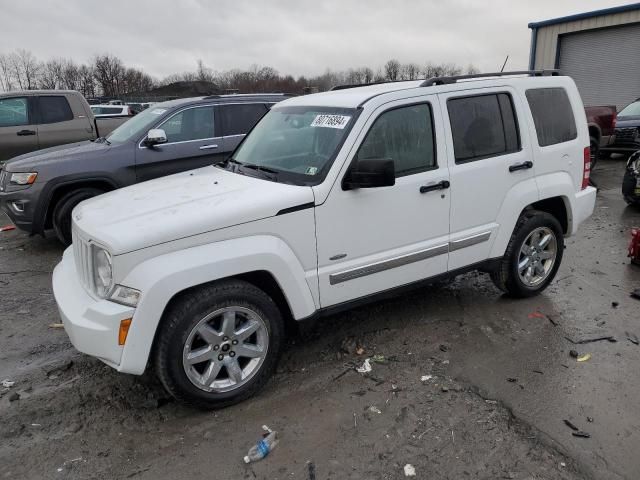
x=504 y=64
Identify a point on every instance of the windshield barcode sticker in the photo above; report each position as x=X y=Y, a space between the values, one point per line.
x=331 y=121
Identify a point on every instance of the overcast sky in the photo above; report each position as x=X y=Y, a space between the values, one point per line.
x=293 y=36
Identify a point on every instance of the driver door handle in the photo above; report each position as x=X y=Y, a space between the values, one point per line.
x=521 y=166
x=208 y=147
x=24 y=133
x=444 y=184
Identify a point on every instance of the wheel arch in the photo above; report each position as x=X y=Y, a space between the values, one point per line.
x=64 y=185
x=263 y=261
x=595 y=132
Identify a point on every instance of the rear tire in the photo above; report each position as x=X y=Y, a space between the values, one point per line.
x=62 y=211
x=204 y=363
x=533 y=255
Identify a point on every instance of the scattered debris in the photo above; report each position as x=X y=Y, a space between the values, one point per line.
x=584 y=358
x=263 y=447
x=581 y=434
x=409 y=470
x=443 y=348
x=426 y=378
x=445 y=389
x=14 y=396
x=374 y=409
x=538 y=371
x=636 y=294
x=512 y=380
x=573 y=353
x=8 y=383
x=615 y=304
x=632 y=337
x=365 y=368
x=379 y=359
x=553 y=321
x=6 y=228
x=359 y=351
x=536 y=314
x=570 y=425
x=608 y=338
x=590 y=419
x=56 y=325
x=312 y=470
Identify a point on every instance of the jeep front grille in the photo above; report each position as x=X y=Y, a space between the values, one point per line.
x=626 y=135
x=82 y=255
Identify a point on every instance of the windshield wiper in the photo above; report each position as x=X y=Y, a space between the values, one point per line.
x=266 y=171
x=103 y=140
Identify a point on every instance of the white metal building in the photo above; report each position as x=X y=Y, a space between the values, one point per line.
x=600 y=50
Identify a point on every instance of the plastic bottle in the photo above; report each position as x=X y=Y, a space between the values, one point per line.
x=262 y=448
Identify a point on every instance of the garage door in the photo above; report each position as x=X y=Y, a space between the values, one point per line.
x=605 y=64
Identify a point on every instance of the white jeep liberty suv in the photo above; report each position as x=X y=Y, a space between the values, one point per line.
x=331 y=200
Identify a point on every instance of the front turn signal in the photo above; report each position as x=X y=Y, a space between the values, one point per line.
x=124 y=331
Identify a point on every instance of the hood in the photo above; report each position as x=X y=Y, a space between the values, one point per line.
x=626 y=122
x=182 y=205
x=55 y=154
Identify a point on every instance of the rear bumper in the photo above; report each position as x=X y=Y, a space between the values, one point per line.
x=92 y=324
x=583 y=205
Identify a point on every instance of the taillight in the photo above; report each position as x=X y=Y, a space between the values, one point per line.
x=586 y=172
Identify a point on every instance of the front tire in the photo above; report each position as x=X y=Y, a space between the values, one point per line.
x=218 y=345
x=62 y=211
x=533 y=255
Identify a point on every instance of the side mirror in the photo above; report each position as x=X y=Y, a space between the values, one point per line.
x=156 y=136
x=370 y=173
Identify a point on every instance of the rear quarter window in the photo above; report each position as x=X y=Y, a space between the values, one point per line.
x=552 y=115
x=54 y=109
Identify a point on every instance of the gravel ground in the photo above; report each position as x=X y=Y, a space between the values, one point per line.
x=500 y=383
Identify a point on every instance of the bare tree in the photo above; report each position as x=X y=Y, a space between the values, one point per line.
x=472 y=69
x=108 y=72
x=87 y=82
x=392 y=70
x=6 y=73
x=51 y=74
x=26 y=69
x=410 y=71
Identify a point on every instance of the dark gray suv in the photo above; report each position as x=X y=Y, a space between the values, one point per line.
x=40 y=189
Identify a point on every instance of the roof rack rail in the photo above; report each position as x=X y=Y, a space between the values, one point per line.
x=250 y=95
x=453 y=79
x=356 y=85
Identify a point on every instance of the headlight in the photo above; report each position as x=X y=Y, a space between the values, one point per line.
x=125 y=296
x=23 y=178
x=102 y=272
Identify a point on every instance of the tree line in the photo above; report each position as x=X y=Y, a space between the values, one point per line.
x=106 y=75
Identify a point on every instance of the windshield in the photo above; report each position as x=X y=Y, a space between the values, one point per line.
x=136 y=126
x=297 y=143
x=631 y=110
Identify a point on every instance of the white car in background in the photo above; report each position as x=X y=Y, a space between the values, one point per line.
x=112 y=111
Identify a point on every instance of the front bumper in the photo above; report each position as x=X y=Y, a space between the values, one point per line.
x=92 y=324
x=631 y=186
x=19 y=205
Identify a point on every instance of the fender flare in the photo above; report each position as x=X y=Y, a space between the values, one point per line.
x=161 y=278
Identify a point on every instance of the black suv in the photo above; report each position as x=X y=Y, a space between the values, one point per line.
x=40 y=189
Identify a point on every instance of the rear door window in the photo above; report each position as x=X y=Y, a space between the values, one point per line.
x=238 y=119
x=54 y=109
x=552 y=115
x=14 y=112
x=483 y=126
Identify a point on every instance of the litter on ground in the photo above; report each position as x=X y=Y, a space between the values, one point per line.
x=366 y=367
x=409 y=470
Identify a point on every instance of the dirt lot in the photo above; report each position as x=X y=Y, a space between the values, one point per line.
x=502 y=383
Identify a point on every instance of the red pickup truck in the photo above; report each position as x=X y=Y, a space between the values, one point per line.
x=602 y=123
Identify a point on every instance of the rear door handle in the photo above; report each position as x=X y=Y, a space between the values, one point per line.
x=24 y=133
x=208 y=147
x=436 y=186
x=521 y=166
